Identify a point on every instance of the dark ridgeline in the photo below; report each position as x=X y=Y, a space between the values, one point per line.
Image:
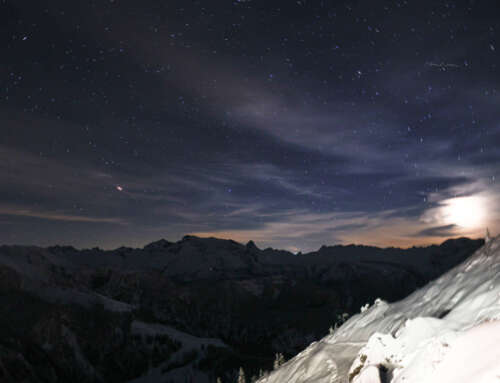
x=95 y=316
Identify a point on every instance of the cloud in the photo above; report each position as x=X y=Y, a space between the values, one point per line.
x=210 y=143
x=306 y=231
x=57 y=216
x=438 y=231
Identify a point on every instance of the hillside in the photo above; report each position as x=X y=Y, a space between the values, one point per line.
x=447 y=331
x=197 y=308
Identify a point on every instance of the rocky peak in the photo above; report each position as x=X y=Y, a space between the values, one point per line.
x=251 y=245
x=157 y=245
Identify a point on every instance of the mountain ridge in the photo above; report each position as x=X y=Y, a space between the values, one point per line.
x=446 y=331
x=163 y=242
x=258 y=302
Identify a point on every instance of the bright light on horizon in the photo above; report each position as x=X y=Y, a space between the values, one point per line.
x=466 y=212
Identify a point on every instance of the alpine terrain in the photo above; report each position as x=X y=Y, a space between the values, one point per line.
x=445 y=332
x=201 y=308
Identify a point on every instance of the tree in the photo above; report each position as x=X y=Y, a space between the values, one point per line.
x=241 y=376
x=279 y=360
x=341 y=319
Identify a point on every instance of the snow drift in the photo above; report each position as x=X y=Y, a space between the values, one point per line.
x=448 y=331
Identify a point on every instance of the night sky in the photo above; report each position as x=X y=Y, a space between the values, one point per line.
x=292 y=123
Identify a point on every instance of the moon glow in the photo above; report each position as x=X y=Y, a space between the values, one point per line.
x=466 y=212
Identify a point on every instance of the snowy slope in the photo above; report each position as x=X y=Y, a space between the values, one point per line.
x=188 y=343
x=448 y=331
x=202 y=285
x=49 y=276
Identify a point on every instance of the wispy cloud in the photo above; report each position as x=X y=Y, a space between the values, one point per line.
x=57 y=216
x=306 y=231
x=438 y=231
x=244 y=155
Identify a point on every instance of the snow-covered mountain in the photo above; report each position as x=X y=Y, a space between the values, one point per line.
x=196 y=309
x=445 y=332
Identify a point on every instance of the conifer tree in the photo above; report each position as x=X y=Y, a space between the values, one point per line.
x=278 y=360
x=241 y=376
x=281 y=359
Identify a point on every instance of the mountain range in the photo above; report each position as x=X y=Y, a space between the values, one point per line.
x=191 y=310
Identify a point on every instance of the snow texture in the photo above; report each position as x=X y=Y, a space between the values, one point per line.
x=448 y=331
x=188 y=343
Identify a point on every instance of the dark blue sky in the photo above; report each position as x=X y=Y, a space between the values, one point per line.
x=292 y=123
